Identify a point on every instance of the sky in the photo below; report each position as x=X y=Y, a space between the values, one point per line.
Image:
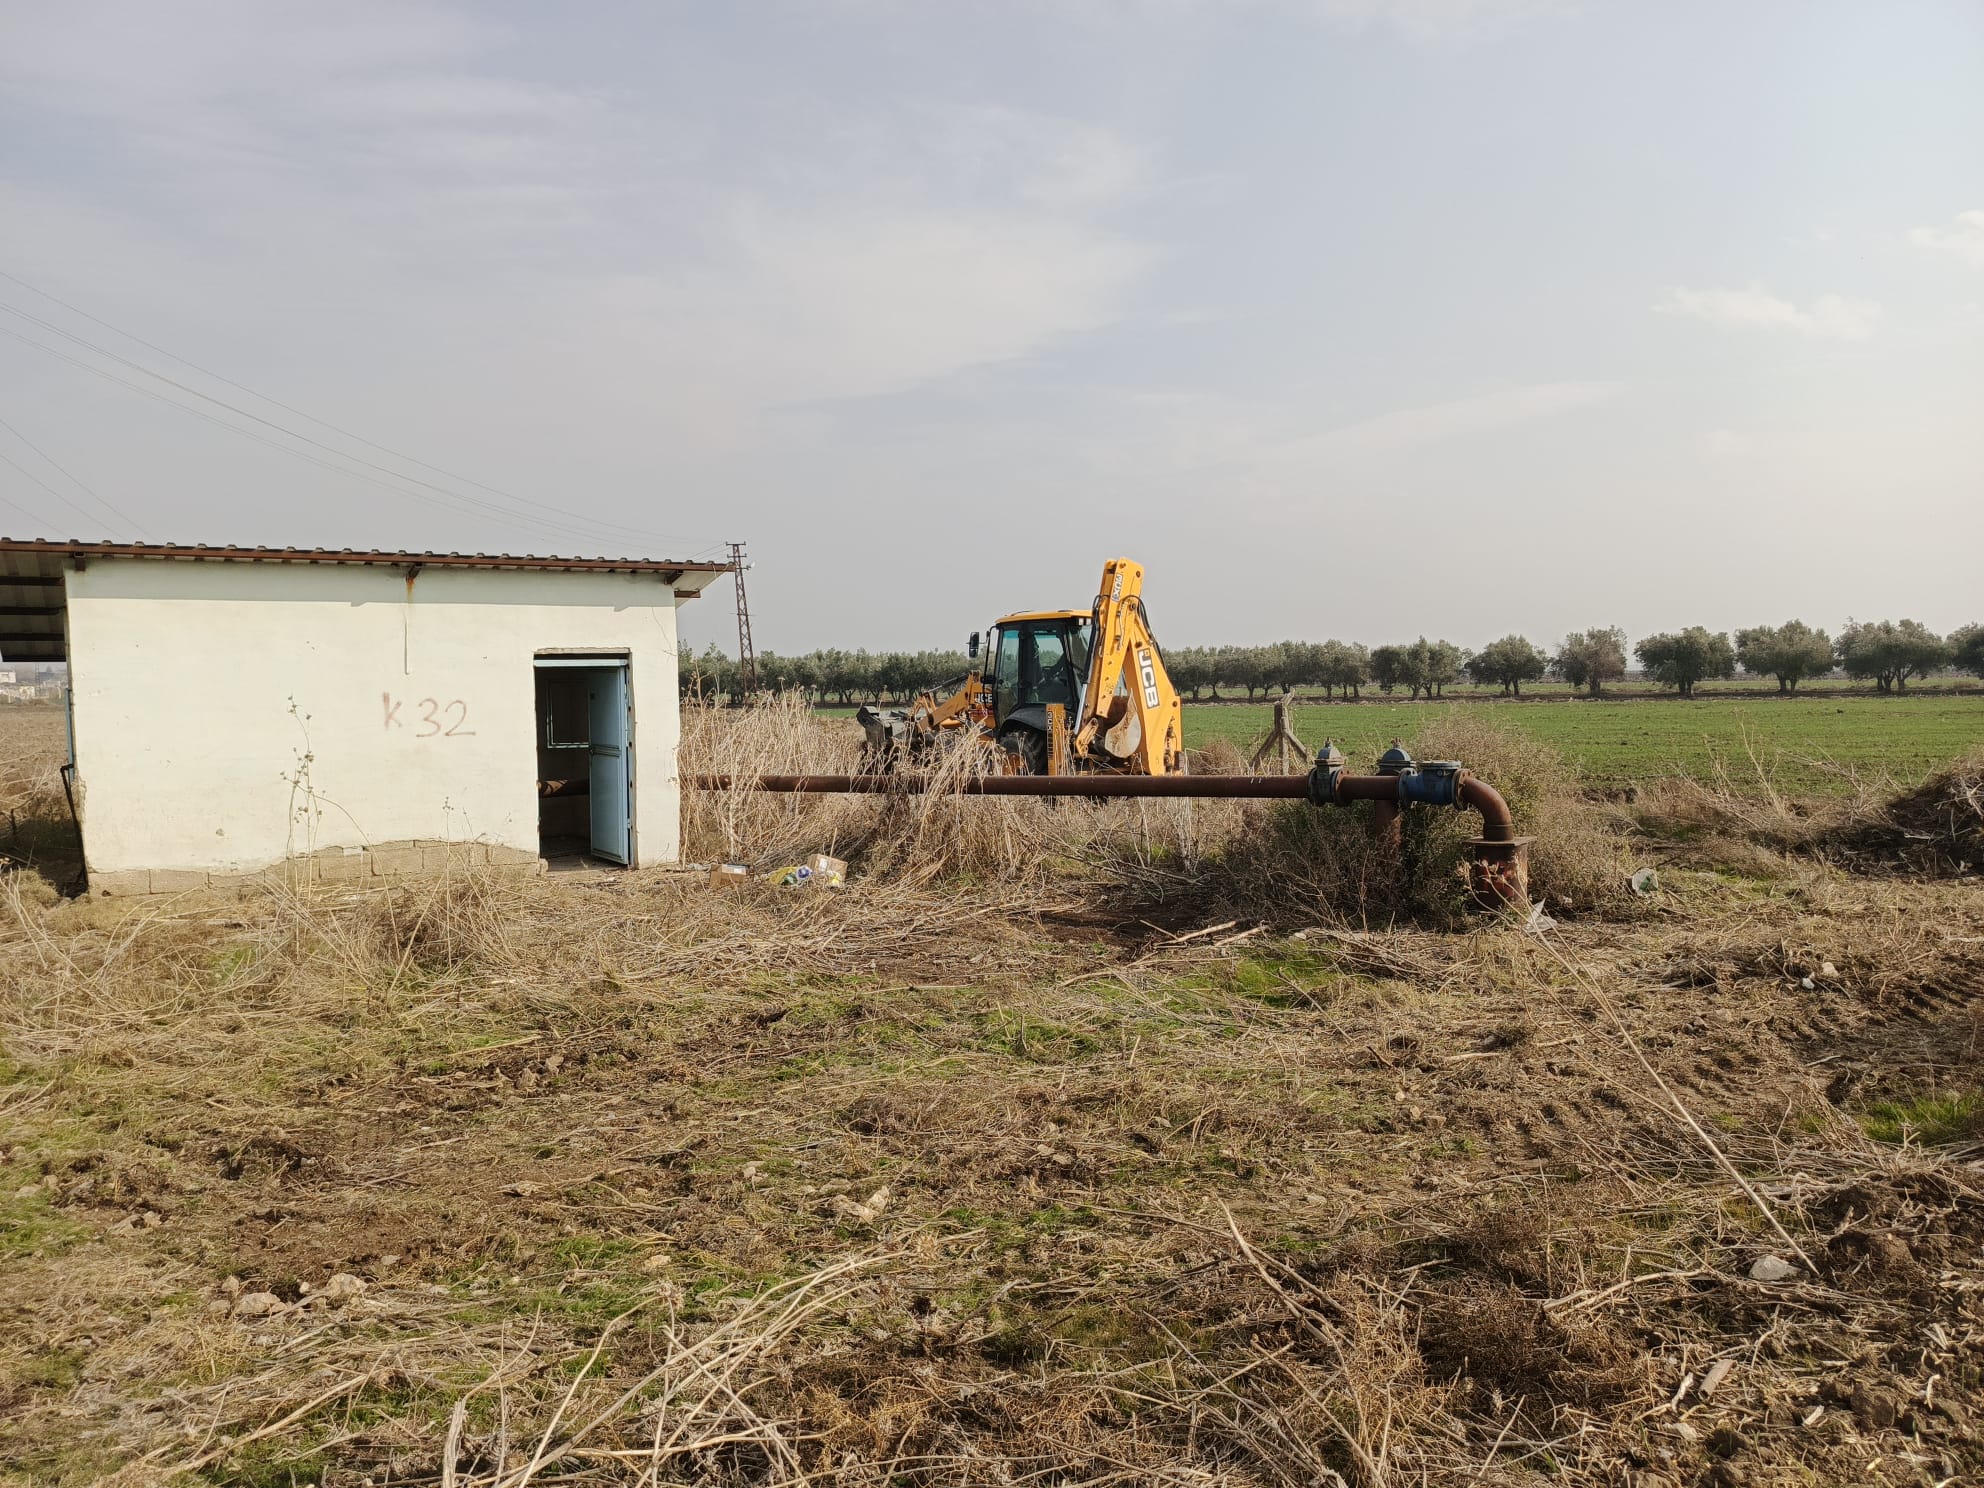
x=1346 y=318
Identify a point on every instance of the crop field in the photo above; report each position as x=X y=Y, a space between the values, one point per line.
x=1805 y=745
x=1817 y=744
x=1200 y=1144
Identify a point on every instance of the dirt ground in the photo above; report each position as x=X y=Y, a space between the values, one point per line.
x=35 y=825
x=619 y=1180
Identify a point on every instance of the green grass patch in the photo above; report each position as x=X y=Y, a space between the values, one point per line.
x=1932 y=1120
x=1035 y=1039
x=30 y=1224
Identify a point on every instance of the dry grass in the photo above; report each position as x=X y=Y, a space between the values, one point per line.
x=1739 y=818
x=31 y=752
x=38 y=843
x=963 y=1175
x=1936 y=829
x=1293 y=865
x=1285 y=863
x=937 y=835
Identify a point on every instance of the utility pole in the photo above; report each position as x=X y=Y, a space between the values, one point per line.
x=747 y=655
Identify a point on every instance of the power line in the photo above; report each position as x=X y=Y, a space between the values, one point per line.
x=275 y=402
x=487 y=507
x=596 y=525
x=442 y=496
x=16 y=506
x=638 y=533
x=10 y=460
x=262 y=439
x=90 y=491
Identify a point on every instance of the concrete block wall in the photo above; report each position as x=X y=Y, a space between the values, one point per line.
x=346 y=703
x=376 y=864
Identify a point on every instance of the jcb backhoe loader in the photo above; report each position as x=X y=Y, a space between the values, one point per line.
x=1068 y=692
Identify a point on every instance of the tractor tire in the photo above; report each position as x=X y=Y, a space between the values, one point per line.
x=1029 y=745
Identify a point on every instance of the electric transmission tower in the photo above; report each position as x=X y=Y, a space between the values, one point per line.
x=747 y=655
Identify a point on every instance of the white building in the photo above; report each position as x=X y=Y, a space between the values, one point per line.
x=237 y=712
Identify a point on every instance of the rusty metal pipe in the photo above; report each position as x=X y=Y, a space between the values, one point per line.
x=1257 y=787
x=1497 y=825
x=1383 y=788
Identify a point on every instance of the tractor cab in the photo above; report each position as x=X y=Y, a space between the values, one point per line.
x=1036 y=660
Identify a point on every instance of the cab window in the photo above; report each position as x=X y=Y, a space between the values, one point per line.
x=1006 y=673
x=1044 y=661
x=1078 y=644
x=1046 y=676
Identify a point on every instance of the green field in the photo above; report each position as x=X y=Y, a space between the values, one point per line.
x=1810 y=744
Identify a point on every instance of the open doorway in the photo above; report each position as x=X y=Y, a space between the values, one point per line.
x=585 y=759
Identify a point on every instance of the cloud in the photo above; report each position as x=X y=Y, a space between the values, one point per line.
x=1434 y=20
x=1249 y=448
x=403 y=155
x=1964 y=238
x=1415 y=20
x=1433 y=423
x=1828 y=318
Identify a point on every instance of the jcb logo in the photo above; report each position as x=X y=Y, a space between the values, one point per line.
x=1147 y=674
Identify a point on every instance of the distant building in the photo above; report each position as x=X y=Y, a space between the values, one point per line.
x=358 y=715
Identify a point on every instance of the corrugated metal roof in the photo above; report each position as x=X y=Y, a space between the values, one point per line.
x=33 y=596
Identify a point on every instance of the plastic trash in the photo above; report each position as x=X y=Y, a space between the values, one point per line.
x=820 y=871
x=1772 y=1268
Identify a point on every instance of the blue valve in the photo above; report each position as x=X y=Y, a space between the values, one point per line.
x=1395 y=761
x=1433 y=783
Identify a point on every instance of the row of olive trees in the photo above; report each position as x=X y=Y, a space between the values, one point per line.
x=831 y=676
x=1886 y=652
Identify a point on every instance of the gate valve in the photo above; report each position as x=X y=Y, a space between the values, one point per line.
x=1330 y=765
x=1395 y=761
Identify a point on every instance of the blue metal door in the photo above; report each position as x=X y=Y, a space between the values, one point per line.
x=611 y=763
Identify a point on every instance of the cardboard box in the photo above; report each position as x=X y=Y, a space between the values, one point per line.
x=729 y=875
x=828 y=873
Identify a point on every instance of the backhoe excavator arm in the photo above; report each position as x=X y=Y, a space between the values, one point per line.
x=1130 y=712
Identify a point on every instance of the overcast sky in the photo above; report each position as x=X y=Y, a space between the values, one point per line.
x=1352 y=318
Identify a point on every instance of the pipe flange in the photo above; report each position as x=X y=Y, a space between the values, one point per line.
x=1323 y=778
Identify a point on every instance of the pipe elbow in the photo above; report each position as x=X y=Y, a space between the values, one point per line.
x=1498 y=824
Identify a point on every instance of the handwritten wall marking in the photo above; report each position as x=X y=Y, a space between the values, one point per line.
x=432 y=718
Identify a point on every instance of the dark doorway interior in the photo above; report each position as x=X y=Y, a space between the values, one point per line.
x=584 y=761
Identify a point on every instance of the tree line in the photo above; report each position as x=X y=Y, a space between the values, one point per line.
x=1888 y=653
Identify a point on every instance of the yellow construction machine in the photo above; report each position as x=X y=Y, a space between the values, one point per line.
x=1068 y=692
